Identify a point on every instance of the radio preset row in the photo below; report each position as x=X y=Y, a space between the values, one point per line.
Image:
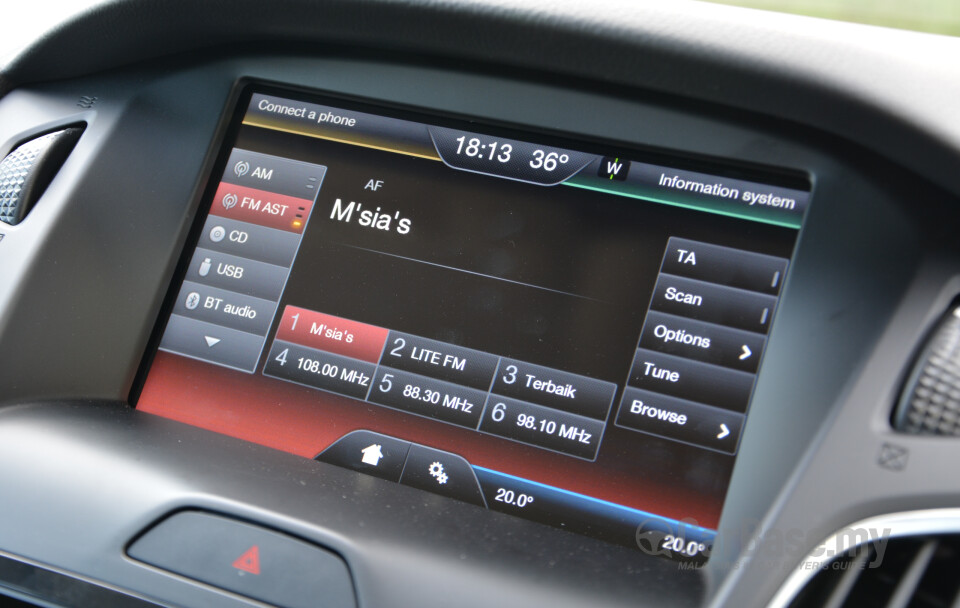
x=512 y=399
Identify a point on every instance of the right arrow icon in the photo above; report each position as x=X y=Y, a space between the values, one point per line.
x=746 y=353
x=724 y=431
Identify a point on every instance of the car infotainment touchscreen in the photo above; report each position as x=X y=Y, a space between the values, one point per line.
x=558 y=330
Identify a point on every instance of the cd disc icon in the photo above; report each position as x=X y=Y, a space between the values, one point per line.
x=217 y=234
x=241 y=168
x=229 y=201
x=192 y=301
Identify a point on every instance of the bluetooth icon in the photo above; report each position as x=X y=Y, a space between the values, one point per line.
x=193 y=300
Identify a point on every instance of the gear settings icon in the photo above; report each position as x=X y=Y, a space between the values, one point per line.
x=436 y=471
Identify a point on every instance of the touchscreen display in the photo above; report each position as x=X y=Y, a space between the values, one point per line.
x=551 y=329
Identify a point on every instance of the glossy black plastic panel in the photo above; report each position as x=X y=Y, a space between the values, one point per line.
x=85 y=273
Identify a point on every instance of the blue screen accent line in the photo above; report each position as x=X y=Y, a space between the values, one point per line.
x=637 y=513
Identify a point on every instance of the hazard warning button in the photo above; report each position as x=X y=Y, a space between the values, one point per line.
x=247 y=560
x=250 y=561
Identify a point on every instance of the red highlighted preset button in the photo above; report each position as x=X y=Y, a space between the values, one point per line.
x=332 y=334
x=261 y=207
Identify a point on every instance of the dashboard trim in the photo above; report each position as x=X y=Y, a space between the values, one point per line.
x=855 y=188
x=892 y=90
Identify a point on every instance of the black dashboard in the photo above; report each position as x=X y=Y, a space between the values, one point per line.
x=380 y=304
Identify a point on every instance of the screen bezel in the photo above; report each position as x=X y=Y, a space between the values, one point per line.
x=244 y=89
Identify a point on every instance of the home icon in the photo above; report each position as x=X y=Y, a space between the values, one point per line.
x=372 y=454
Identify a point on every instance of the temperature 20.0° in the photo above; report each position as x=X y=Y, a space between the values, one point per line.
x=509 y=497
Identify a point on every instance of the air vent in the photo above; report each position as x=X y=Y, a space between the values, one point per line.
x=930 y=404
x=910 y=572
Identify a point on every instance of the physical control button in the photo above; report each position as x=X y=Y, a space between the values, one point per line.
x=441 y=473
x=247 y=560
x=368 y=452
x=680 y=420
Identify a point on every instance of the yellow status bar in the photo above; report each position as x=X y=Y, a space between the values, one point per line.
x=359 y=140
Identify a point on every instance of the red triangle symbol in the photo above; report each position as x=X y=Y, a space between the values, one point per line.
x=249 y=561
